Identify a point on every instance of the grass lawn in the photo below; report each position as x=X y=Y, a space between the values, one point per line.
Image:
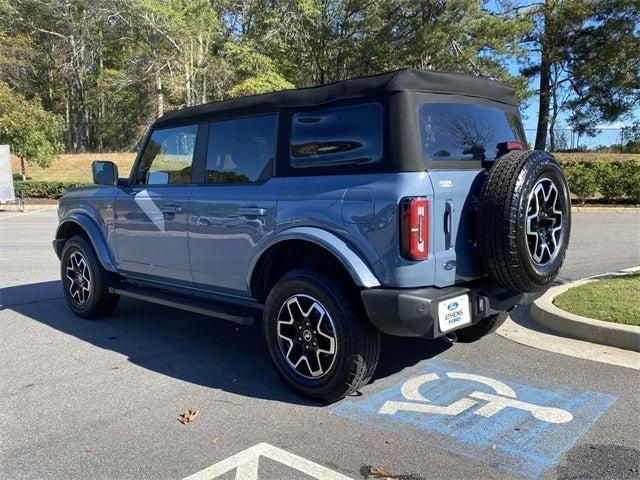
x=75 y=167
x=613 y=299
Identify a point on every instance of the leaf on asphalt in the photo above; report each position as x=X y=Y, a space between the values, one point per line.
x=188 y=416
x=375 y=472
x=369 y=472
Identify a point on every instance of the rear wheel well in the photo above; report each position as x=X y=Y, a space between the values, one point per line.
x=296 y=254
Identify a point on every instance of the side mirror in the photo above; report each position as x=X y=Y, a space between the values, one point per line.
x=157 y=177
x=104 y=172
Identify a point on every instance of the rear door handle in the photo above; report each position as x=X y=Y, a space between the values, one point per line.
x=171 y=209
x=252 y=211
x=448 y=212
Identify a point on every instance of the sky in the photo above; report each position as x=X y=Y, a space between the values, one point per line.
x=609 y=133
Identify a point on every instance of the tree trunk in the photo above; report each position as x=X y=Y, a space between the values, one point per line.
x=545 y=80
x=159 y=96
x=543 y=109
x=187 y=85
x=78 y=93
x=99 y=128
x=554 y=114
x=23 y=169
x=67 y=119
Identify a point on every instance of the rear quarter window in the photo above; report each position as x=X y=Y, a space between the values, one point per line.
x=345 y=135
x=463 y=131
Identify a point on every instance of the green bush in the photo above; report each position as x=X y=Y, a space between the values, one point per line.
x=44 y=189
x=609 y=178
x=630 y=178
x=582 y=181
x=613 y=181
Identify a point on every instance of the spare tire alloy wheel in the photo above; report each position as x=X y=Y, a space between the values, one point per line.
x=544 y=222
x=524 y=220
x=307 y=336
x=79 y=276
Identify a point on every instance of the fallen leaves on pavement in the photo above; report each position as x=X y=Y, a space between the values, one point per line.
x=188 y=416
x=369 y=472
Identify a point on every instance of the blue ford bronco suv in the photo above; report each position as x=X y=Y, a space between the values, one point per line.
x=404 y=203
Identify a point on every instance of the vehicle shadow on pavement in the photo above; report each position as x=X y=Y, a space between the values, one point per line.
x=189 y=347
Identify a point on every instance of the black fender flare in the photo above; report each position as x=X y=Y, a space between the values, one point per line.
x=93 y=233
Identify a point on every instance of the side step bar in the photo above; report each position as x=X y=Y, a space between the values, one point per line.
x=241 y=315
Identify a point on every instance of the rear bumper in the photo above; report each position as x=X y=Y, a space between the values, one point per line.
x=414 y=312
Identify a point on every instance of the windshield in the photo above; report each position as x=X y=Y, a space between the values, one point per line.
x=464 y=131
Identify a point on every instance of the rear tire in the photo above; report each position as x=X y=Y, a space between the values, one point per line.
x=85 y=282
x=308 y=315
x=481 y=329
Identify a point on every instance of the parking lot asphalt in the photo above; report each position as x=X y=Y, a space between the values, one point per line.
x=101 y=399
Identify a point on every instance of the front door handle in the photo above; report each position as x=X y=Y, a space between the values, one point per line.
x=171 y=209
x=252 y=211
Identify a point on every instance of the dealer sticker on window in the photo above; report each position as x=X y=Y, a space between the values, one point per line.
x=453 y=312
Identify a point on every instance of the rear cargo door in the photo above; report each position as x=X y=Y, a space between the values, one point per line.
x=461 y=138
x=452 y=224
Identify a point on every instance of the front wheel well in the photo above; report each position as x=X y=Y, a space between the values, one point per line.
x=66 y=231
x=289 y=255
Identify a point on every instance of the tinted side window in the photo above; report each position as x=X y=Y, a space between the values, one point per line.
x=168 y=156
x=334 y=136
x=241 y=150
x=462 y=131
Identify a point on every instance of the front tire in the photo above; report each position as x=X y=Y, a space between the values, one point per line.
x=318 y=339
x=85 y=282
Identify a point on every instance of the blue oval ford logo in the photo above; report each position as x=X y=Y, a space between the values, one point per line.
x=453 y=306
x=450 y=265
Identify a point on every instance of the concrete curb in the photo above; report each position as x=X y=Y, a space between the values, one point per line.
x=614 y=210
x=545 y=313
x=28 y=208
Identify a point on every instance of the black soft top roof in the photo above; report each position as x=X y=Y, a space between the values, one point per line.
x=390 y=82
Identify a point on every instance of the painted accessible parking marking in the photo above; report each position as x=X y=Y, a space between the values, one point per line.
x=513 y=424
x=247 y=462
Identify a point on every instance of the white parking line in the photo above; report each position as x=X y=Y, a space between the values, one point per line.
x=22 y=214
x=245 y=463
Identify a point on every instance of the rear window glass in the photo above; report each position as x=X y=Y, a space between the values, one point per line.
x=346 y=135
x=462 y=131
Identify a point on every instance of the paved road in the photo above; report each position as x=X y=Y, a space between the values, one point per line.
x=83 y=399
x=601 y=243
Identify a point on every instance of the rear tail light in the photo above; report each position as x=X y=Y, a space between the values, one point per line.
x=414 y=228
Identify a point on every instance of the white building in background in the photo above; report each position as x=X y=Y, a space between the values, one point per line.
x=6 y=176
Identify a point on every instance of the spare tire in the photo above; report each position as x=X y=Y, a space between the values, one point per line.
x=524 y=220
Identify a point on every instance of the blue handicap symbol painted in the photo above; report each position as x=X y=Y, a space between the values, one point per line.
x=501 y=420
